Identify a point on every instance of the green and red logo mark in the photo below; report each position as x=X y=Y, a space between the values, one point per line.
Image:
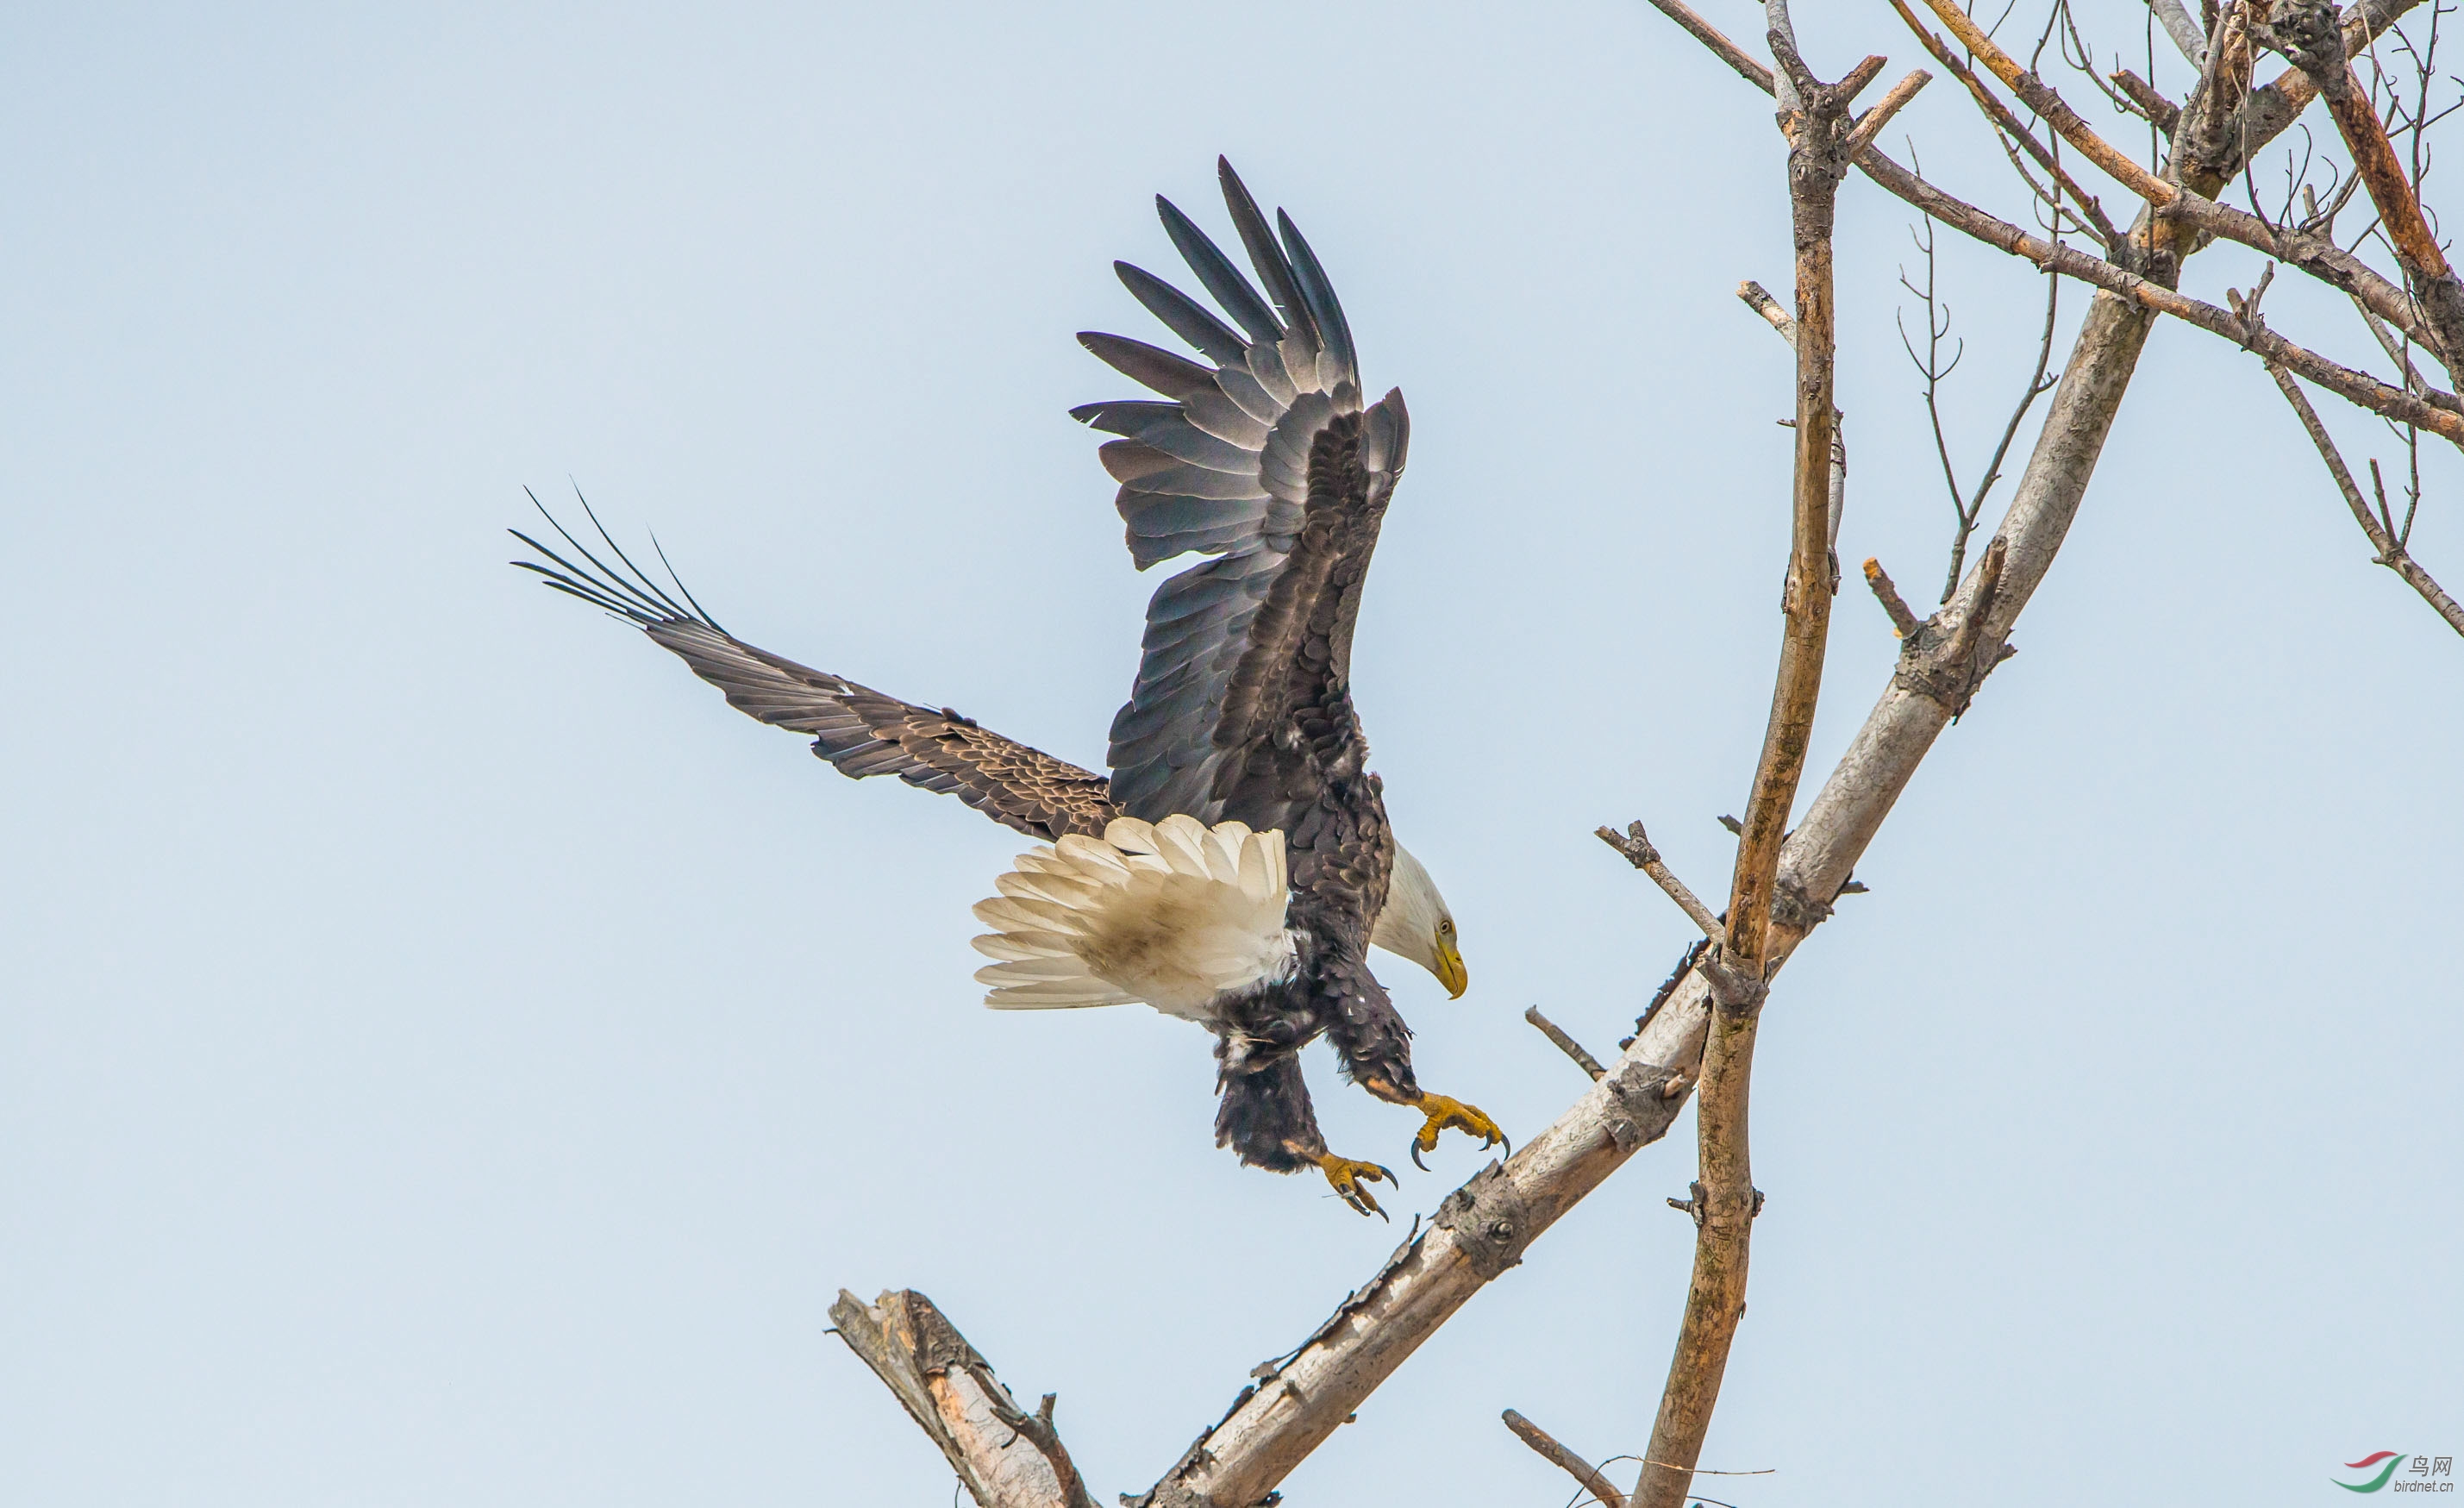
x=2393 y=1459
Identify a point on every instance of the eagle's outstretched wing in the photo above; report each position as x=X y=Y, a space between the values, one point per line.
x=1266 y=461
x=856 y=728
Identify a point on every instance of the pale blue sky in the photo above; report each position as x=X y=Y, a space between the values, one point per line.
x=448 y=1056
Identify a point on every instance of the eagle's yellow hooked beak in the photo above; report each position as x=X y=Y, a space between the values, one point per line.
x=1451 y=972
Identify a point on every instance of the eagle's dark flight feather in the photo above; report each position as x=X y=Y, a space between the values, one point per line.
x=859 y=730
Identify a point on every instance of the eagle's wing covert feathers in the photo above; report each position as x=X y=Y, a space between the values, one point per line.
x=859 y=730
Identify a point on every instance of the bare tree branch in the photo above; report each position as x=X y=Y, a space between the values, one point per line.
x=2313 y=254
x=2042 y=97
x=1574 y=1466
x=1904 y=622
x=1564 y=1043
x=1726 y=1201
x=1758 y=298
x=1748 y=66
x=2160 y=112
x=1869 y=125
x=2037 y=386
x=2176 y=21
x=2440 y=413
x=2010 y=125
x=1636 y=845
x=2273 y=107
x=2391 y=552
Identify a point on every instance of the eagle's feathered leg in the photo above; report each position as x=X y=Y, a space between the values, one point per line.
x=1264 y=1116
x=1377 y=1050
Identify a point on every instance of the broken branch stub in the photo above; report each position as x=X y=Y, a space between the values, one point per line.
x=1004 y=1456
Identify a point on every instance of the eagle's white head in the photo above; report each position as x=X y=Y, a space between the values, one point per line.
x=1416 y=924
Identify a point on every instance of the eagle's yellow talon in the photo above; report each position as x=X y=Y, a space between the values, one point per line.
x=1442 y=1112
x=1348 y=1176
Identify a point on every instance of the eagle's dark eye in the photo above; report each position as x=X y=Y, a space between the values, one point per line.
x=1445 y=929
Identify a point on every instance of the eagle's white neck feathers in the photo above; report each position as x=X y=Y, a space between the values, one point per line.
x=1408 y=926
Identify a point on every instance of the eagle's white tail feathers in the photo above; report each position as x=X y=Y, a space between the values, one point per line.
x=1173 y=913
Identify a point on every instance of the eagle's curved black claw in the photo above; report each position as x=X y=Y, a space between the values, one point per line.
x=1443 y=1111
x=1348 y=1175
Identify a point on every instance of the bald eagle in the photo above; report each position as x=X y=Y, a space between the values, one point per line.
x=1236 y=865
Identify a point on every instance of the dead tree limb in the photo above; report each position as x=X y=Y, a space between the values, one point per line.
x=1726 y=1202
x=2270 y=109
x=1005 y=1457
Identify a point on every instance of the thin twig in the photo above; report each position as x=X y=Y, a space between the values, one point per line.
x=1574 y=1466
x=2397 y=350
x=2038 y=385
x=1565 y=1044
x=1636 y=845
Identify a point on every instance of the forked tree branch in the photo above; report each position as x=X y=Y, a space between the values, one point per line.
x=2391 y=551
